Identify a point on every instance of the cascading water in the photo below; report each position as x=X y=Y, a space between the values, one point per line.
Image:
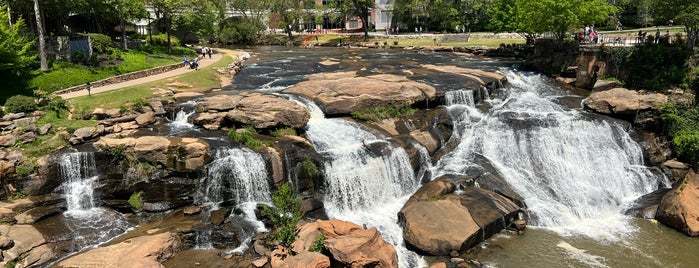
x=460 y=97
x=236 y=175
x=78 y=172
x=576 y=174
x=181 y=118
x=367 y=179
x=89 y=225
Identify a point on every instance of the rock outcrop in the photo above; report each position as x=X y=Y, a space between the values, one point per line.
x=621 y=101
x=464 y=218
x=142 y=251
x=348 y=243
x=180 y=154
x=679 y=208
x=255 y=109
x=347 y=93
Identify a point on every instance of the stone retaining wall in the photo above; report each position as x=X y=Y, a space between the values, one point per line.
x=122 y=78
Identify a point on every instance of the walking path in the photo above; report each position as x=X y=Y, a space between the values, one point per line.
x=95 y=90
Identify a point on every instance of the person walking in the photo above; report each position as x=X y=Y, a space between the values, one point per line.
x=185 y=61
x=88 y=86
x=208 y=51
x=203 y=52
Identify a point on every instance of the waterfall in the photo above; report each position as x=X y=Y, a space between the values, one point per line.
x=236 y=175
x=367 y=179
x=576 y=174
x=78 y=171
x=461 y=96
x=181 y=118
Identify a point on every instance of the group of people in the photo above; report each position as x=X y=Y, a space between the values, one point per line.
x=194 y=64
x=589 y=35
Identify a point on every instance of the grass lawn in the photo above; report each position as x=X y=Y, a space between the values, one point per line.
x=66 y=74
x=202 y=80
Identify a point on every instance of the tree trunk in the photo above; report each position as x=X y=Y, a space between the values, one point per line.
x=123 y=28
x=167 y=30
x=40 y=33
x=9 y=15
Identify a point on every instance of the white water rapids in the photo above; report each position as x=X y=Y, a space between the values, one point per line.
x=367 y=179
x=576 y=174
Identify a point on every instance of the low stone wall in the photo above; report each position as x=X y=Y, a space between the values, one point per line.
x=122 y=78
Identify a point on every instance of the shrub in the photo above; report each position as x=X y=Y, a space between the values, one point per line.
x=310 y=167
x=161 y=40
x=383 y=112
x=318 y=245
x=135 y=201
x=20 y=103
x=283 y=131
x=100 y=42
x=245 y=136
x=686 y=145
x=242 y=32
x=285 y=214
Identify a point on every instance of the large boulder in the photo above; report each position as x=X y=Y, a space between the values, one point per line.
x=142 y=251
x=348 y=243
x=622 y=101
x=477 y=78
x=252 y=108
x=465 y=217
x=348 y=94
x=679 y=208
x=180 y=154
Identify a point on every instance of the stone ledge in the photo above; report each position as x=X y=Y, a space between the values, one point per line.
x=122 y=78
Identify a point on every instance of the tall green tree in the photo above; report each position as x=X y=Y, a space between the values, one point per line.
x=166 y=11
x=682 y=12
x=127 y=10
x=289 y=12
x=16 y=48
x=533 y=17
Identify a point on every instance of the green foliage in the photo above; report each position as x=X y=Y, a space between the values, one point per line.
x=383 y=112
x=318 y=245
x=135 y=201
x=161 y=40
x=310 y=167
x=245 y=136
x=16 y=47
x=26 y=168
x=116 y=154
x=619 y=56
x=100 y=42
x=664 y=61
x=283 y=131
x=540 y=16
x=242 y=33
x=682 y=124
x=285 y=214
x=20 y=103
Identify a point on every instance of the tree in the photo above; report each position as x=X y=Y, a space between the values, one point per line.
x=40 y=33
x=165 y=11
x=16 y=48
x=127 y=10
x=361 y=8
x=682 y=12
x=533 y=17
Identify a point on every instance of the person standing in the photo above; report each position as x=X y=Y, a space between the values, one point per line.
x=88 y=86
x=185 y=61
x=203 y=52
x=657 y=35
x=208 y=51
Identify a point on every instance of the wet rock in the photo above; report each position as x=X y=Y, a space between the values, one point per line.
x=676 y=170
x=219 y=215
x=622 y=101
x=465 y=218
x=261 y=248
x=349 y=94
x=308 y=205
x=38 y=256
x=142 y=251
x=36 y=214
x=679 y=208
x=209 y=120
x=477 y=78
x=275 y=159
x=191 y=210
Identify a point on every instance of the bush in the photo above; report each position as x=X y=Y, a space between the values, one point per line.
x=310 y=167
x=383 y=112
x=100 y=42
x=161 y=40
x=682 y=124
x=245 y=136
x=665 y=61
x=285 y=214
x=20 y=104
x=242 y=32
x=135 y=201
x=686 y=145
x=318 y=245
x=283 y=131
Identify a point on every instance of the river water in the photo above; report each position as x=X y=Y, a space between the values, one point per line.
x=576 y=172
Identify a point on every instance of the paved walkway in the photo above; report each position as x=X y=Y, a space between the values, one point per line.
x=95 y=90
